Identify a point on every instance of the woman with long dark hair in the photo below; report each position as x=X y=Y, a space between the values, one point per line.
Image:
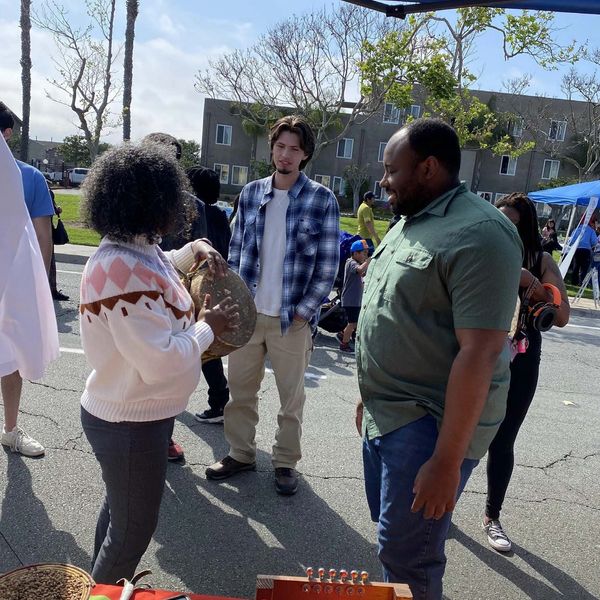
x=550 y=237
x=538 y=269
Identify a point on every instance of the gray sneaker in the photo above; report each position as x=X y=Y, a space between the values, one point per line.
x=497 y=539
x=18 y=441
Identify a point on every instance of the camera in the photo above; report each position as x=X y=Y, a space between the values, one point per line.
x=541 y=316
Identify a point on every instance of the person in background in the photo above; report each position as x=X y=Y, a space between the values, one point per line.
x=192 y=226
x=352 y=291
x=583 y=254
x=538 y=268
x=206 y=186
x=366 y=221
x=41 y=211
x=143 y=339
x=432 y=357
x=56 y=293
x=285 y=246
x=550 y=237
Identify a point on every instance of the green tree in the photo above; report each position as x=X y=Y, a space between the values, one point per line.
x=75 y=152
x=190 y=153
x=356 y=176
x=438 y=72
x=260 y=169
x=305 y=64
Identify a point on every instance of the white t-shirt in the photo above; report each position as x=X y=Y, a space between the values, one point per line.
x=272 y=255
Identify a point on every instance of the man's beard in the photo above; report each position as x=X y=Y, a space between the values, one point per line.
x=283 y=171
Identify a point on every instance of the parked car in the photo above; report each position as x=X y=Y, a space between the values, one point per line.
x=77 y=175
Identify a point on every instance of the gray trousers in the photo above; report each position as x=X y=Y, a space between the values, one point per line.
x=133 y=460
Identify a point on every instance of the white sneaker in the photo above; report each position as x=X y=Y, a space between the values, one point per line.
x=497 y=539
x=18 y=441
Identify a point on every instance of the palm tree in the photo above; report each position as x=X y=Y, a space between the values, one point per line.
x=25 y=76
x=132 y=13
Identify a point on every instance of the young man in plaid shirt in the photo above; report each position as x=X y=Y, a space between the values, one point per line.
x=285 y=246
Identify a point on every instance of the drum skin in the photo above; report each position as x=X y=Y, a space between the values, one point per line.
x=200 y=282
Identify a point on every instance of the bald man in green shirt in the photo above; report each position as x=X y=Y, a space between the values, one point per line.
x=433 y=363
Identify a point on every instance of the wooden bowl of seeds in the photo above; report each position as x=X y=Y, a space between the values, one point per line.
x=46 y=581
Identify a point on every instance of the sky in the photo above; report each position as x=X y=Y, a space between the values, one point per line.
x=176 y=38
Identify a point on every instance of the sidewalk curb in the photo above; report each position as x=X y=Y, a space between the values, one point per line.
x=75 y=259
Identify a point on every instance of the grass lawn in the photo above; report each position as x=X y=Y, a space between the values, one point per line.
x=78 y=232
x=350 y=224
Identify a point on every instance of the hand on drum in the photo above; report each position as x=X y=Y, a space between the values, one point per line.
x=222 y=317
x=217 y=265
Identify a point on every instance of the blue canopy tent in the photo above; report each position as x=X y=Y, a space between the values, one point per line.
x=578 y=194
x=401 y=9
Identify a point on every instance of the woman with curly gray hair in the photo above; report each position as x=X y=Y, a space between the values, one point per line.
x=142 y=339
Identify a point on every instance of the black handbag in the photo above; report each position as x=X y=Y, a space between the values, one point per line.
x=59 y=233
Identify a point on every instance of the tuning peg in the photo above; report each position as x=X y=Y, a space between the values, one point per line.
x=321 y=573
x=332 y=574
x=354 y=575
x=343 y=575
x=364 y=576
x=309 y=572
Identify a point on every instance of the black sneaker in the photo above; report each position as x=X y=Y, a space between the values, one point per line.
x=210 y=415
x=58 y=295
x=286 y=481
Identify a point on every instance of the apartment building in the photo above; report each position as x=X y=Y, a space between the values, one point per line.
x=230 y=151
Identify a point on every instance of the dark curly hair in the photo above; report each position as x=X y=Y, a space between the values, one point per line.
x=135 y=190
x=528 y=227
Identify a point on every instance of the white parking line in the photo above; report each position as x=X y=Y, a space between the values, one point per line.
x=71 y=350
x=582 y=326
x=69 y=272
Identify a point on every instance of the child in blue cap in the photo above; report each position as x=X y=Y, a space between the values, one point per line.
x=356 y=267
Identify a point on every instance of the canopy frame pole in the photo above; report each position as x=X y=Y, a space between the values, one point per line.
x=401 y=10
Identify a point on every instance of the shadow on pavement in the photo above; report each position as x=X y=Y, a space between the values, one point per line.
x=217 y=536
x=566 y=586
x=25 y=524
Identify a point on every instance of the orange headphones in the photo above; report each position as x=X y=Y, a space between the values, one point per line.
x=543 y=314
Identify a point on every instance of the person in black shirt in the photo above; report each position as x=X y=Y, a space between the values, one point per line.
x=206 y=186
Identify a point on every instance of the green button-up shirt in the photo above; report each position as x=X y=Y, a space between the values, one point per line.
x=454 y=265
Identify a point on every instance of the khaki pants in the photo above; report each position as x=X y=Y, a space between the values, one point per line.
x=289 y=355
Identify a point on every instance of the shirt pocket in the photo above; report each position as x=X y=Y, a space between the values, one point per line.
x=249 y=235
x=409 y=277
x=307 y=238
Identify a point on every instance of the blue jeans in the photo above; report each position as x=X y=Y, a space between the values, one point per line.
x=133 y=459
x=411 y=548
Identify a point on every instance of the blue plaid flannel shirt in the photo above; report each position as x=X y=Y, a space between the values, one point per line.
x=312 y=248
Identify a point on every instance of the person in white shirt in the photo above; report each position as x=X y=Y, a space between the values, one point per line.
x=143 y=340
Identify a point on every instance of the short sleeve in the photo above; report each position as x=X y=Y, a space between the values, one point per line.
x=483 y=269
x=41 y=202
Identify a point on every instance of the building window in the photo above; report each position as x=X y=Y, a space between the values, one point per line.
x=550 y=170
x=498 y=197
x=508 y=165
x=323 y=180
x=414 y=111
x=487 y=196
x=344 y=148
x=516 y=127
x=239 y=175
x=557 y=131
x=224 y=135
x=391 y=113
x=382 y=146
x=338 y=186
x=379 y=192
x=223 y=172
